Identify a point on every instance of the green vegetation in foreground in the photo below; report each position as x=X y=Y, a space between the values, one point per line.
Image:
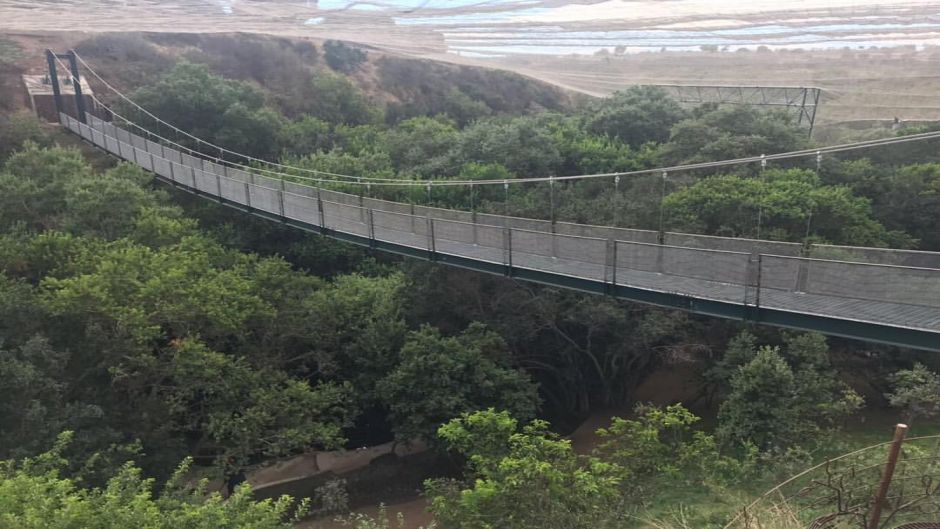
x=159 y=328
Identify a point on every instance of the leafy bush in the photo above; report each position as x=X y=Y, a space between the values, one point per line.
x=16 y=130
x=634 y=116
x=33 y=494
x=661 y=446
x=784 y=397
x=334 y=99
x=916 y=391
x=439 y=378
x=522 y=478
x=213 y=108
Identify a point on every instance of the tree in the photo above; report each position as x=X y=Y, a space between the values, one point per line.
x=786 y=201
x=463 y=108
x=358 y=328
x=634 y=116
x=365 y=165
x=18 y=129
x=916 y=391
x=33 y=494
x=33 y=186
x=908 y=199
x=336 y=100
x=660 y=443
x=520 y=144
x=582 y=351
x=305 y=136
x=342 y=57
x=36 y=406
x=55 y=189
x=246 y=412
x=782 y=397
x=740 y=351
x=759 y=409
x=106 y=206
x=251 y=131
x=604 y=155
x=903 y=197
x=422 y=145
x=213 y=108
x=143 y=296
x=440 y=378
x=521 y=478
x=715 y=132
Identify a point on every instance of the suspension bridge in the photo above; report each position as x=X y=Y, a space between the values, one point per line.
x=880 y=295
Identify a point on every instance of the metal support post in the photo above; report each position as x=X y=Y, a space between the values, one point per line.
x=320 y=209
x=760 y=273
x=812 y=118
x=617 y=201
x=760 y=197
x=507 y=250
x=247 y=195
x=802 y=276
x=551 y=201
x=473 y=216
x=753 y=279
x=551 y=192
x=77 y=85
x=803 y=107
x=431 y=250
x=662 y=210
x=610 y=266
x=54 y=80
x=473 y=209
x=807 y=245
x=362 y=212
x=613 y=264
x=371 y=227
x=218 y=186
x=280 y=195
x=874 y=518
x=660 y=258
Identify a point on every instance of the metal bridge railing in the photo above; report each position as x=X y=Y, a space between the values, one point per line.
x=739 y=271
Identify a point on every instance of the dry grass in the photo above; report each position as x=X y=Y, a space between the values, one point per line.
x=860 y=85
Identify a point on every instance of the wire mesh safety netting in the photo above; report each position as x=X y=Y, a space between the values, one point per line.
x=841 y=493
x=895 y=287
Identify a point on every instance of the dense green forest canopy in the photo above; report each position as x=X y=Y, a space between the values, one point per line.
x=157 y=328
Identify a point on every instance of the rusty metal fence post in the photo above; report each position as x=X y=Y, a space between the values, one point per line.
x=874 y=519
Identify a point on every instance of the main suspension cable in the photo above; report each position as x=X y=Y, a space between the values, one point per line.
x=370 y=181
x=208 y=144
